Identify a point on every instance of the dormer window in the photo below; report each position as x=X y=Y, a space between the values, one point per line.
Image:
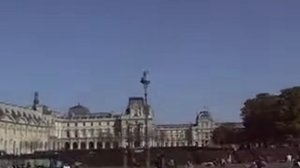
x=13 y=113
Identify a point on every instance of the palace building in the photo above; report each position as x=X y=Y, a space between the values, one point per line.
x=33 y=128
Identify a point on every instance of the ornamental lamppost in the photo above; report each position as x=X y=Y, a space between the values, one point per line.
x=145 y=82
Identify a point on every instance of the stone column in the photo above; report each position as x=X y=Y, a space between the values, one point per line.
x=79 y=145
x=95 y=144
x=87 y=144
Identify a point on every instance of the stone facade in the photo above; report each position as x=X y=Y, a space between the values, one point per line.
x=24 y=130
x=38 y=128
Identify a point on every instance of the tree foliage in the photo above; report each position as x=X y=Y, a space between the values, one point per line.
x=271 y=118
x=224 y=135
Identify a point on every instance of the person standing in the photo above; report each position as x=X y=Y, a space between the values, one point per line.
x=223 y=162
x=189 y=165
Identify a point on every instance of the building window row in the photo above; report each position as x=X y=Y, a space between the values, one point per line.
x=90 y=133
x=106 y=123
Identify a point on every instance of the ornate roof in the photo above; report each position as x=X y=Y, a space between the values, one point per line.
x=203 y=115
x=21 y=115
x=78 y=110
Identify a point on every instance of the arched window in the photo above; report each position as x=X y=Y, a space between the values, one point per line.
x=137 y=144
x=67 y=146
x=99 y=145
x=75 y=145
x=82 y=145
x=116 y=145
x=107 y=145
x=91 y=145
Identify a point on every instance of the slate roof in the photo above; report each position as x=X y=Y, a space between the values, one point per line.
x=20 y=115
x=78 y=110
x=203 y=115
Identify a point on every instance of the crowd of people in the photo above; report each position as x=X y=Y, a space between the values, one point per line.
x=162 y=162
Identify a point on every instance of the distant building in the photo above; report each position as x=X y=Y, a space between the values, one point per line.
x=38 y=128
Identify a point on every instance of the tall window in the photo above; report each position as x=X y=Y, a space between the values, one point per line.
x=76 y=133
x=108 y=133
x=76 y=124
x=68 y=134
x=100 y=133
x=83 y=123
x=92 y=132
x=83 y=133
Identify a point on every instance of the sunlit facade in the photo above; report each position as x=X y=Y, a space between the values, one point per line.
x=38 y=128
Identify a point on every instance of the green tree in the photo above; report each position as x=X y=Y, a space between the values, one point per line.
x=262 y=118
x=291 y=108
x=224 y=135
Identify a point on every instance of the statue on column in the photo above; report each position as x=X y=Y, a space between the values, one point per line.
x=35 y=101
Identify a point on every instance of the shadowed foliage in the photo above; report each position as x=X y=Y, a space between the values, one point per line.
x=270 y=119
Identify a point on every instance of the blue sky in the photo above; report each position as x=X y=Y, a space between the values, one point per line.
x=199 y=53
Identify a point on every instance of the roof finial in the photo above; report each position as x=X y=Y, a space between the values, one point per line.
x=36 y=100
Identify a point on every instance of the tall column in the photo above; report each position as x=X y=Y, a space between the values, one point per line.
x=95 y=145
x=146 y=83
x=71 y=145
